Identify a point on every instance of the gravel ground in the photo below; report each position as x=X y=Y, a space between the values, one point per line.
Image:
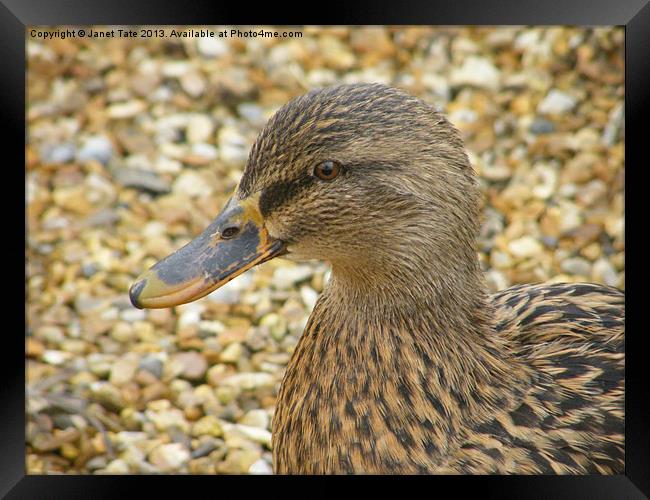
x=133 y=146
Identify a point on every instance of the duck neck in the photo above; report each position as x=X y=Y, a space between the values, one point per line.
x=402 y=373
x=433 y=322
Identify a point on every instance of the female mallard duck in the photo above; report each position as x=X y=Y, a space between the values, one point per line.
x=407 y=363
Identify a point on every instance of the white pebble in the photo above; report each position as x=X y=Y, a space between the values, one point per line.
x=556 y=102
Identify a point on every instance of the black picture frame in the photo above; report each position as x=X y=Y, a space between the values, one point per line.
x=634 y=15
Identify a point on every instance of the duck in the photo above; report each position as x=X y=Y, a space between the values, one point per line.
x=408 y=364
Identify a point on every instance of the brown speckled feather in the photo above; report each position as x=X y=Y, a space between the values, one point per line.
x=408 y=364
x=349 y=403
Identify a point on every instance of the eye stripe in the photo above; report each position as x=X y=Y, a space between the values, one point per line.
x=280 y=193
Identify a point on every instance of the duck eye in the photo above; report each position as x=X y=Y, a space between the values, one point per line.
x=327 y=170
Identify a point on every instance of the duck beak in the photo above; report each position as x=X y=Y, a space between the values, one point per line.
x=234 y=242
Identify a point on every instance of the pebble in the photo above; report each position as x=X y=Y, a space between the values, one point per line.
x=604 y=272
x=541 y=126
x=524 y=247
x=576 y=265
x=132 y=314
x=286 y=277
x=476 y=71
x=199 y=129
x=207 y=426
x=260 y=466
x=123 y=370
x=194 y=365
x=141 y=179
x=192 y=184
x=556 y=102
x=212 y=47
x=153 y=365
x=277 y=325
x=232 y=353
x=97 y=148
x=56 y=358
x=309 y=296
x=232 y=146
x=126 y=109
x=59 y=153
x=248 y=381
x=256 y=434
x=169 y=457
x=256 y=418
x=166 y=418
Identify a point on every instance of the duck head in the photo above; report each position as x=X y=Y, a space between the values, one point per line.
x=365 y=177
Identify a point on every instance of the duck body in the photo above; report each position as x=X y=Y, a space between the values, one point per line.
x=407 y=364
x=398 y=406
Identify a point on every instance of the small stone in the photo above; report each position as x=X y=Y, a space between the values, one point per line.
x=51 y=334
x=277 y=325
x=496 y=280
x=169 y=457
x=249 y=380
x=256 y=418
x=230 y=293
x=212 y=47
x=165 y=419
x=524 y=247
x=117 y=466
x=592 y=193
x=260 y=466
x=546 y=177
x=108 y=394
x=153 y=365
x=208 y=425
x=126 y=109
x=56 y=358
x=34 y=347
x=238 y=461
x=131 y=315
x=193 y=83
x=97 y=148
x=192 y=184
x=556 y=102
x=286 y=277
x=194 y=364
x=252 y=113
x=124 y=369
x=232 y=353
x=141 y=179
x=496 y=172
x=541 y=126
x=309 y=296
x=122 y=332
x=256 y=434
x=100 y=364
x=59 y=153
x=604 y=272
x=232 y=146
x=190 y=315
x=199 y=129
x=95 y=463
x=576 y=265
x=476 y=71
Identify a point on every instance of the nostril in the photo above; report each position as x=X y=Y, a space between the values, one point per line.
x=229 y=232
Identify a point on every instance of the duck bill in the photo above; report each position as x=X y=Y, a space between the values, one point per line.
x=210 y=260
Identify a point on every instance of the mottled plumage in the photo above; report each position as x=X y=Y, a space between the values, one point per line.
x=408 y=364
x=427 y=375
